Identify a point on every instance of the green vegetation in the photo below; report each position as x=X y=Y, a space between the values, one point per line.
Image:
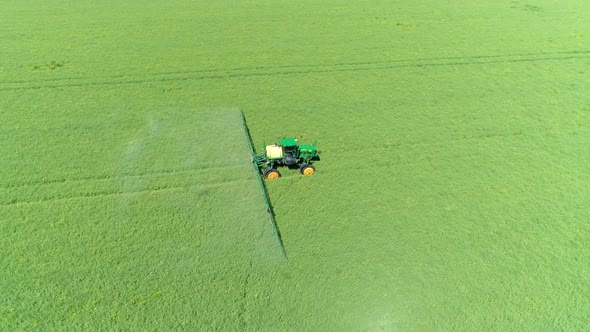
x=452 y=191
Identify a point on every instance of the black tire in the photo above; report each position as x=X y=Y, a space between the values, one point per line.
x=307 y=169
x=271 y=174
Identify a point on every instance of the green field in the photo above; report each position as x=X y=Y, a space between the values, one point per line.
x=453 y=191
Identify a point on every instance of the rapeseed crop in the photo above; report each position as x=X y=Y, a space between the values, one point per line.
x=451 y=194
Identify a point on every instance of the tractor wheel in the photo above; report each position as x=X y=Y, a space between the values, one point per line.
x=307 y=169
x=271 y=174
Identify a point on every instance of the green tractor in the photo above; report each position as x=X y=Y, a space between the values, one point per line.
x=286 y=153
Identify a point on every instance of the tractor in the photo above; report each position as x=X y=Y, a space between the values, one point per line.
x=286 y=153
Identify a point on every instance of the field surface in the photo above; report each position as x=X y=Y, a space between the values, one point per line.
x=453 y=191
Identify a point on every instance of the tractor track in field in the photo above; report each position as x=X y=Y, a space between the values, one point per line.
x=89 y=195
x=353 y=63
x=378 y=168
x=196 y=75
x=517 y=135
x=244 y=299
x=63 y=198
x=113 y=177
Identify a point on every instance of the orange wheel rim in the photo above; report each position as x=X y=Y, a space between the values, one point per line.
x=273 y=175
x=308 y=171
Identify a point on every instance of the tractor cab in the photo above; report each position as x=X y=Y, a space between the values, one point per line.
x=290 y=150
x=289 y=142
